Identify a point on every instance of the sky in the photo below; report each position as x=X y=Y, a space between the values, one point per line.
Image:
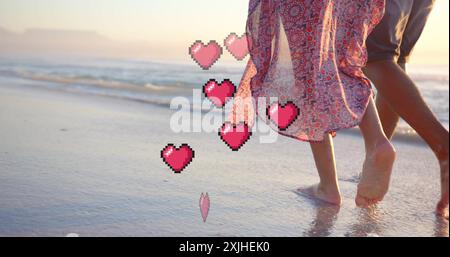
x=170 y=26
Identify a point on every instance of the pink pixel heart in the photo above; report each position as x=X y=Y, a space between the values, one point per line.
x=204 y=204
x=234 y=135
x=217 y=93
x=205 y=56
x=177 y=158
x=237 y=46
x=283 y=115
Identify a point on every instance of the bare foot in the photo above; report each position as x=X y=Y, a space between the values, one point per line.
x=319 y=192
x=376 y=175
x=442 y=207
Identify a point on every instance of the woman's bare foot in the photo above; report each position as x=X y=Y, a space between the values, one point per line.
x=442 y=207
x=329 y=195
x=376 y=174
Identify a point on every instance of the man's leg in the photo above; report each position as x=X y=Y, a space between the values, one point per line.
x=380 y=157
x=415 y=13
x=392 y=42
x=389 y=118
x=404 y=98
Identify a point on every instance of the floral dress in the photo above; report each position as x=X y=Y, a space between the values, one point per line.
x=309 y=52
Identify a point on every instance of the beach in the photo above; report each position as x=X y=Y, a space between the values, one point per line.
x=73 y=163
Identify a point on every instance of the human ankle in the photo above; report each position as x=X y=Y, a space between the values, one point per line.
x=329 y=188
x=379 y=146
x=330 y=193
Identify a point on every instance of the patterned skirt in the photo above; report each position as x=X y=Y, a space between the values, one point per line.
x=310 y=53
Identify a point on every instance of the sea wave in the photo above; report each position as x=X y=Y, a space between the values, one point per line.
x=86 y=80
x=159 y=83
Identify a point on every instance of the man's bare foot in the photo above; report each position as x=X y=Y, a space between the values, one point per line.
x=376 y=174
x=442 y=207
x=322 y=193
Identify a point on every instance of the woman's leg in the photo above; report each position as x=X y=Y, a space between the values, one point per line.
x=328 y=189
x=380 y=157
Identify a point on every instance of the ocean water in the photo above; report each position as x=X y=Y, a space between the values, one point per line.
x=159 y=82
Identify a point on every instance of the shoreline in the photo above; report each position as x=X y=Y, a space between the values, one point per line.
x=90 y=165
x=405 y=135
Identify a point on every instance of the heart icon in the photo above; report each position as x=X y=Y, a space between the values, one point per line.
x=205 y=56
x=204 y=204
x=177 y=158
x=217 y=93
x=237 y=46
x=234 y=135
x=283 y=115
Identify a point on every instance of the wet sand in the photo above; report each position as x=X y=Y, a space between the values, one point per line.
x=90 y=165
